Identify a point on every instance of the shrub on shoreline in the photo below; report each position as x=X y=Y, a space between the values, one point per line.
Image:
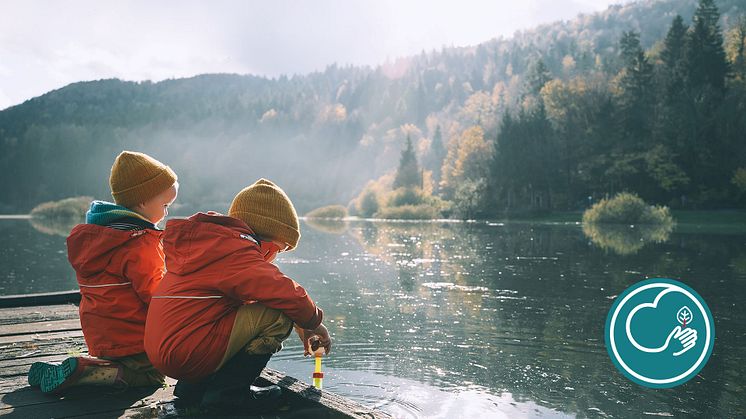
x=626 y=208
x=75 y=207
x=59 y=217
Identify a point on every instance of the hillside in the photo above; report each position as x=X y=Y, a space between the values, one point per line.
x=321 y=136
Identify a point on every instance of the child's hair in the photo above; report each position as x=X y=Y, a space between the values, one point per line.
x=137 y=177
x=266 y=208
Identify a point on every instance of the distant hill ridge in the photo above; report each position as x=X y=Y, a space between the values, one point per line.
x=322 y=136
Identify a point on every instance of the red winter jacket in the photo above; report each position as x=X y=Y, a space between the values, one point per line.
x=117 y=273
x=214 y=266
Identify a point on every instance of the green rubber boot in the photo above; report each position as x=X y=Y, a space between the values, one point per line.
x=82 y=371
x=36 y=372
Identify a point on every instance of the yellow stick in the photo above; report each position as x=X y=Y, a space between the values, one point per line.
x=318 y=375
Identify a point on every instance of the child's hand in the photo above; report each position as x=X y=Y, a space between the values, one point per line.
x=320 y=333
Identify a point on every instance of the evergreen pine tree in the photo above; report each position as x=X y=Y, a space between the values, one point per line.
x=537 y=77
x=706 y=62
x=408 y=174
x=636 y=84
x=437 y=154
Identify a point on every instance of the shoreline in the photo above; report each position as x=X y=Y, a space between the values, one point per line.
x=723 y=217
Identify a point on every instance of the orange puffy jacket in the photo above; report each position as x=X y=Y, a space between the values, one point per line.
x=117 y=273
x=214 y=265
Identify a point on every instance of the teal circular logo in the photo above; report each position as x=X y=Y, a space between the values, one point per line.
x=659 y=333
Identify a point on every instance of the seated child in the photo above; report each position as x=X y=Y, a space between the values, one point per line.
x=223 y=308
x=118 y=260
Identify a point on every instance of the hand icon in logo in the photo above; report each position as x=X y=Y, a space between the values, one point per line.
x=687 y=337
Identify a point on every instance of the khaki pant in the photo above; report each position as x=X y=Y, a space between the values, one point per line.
x=138 y=371
x=257 y=330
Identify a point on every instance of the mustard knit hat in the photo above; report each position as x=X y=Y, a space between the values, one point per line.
x=137 y=177
x=266 y=208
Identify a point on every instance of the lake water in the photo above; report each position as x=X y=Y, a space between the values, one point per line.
x=479 y=319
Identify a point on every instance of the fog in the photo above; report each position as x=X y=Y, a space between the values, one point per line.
x=46 y=44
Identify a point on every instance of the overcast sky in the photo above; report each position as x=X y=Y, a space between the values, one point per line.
x=45 y=45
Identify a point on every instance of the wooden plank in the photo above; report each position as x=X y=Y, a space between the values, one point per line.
x=324 y=398
x=169 y=409
x=23 y=350
x=35 y=314
x=297 y=391
x=44 y=326
x=55 y=334
x=79 y=401
x=7 y=364
x=20 y=367
x=10 y=384
x=38 y=337
x=64 y=345
x=40 y=299
x=46 y=310
x=145 y=402
x=19 y=398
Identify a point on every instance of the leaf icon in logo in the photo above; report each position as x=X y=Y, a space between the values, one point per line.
x=684 y=315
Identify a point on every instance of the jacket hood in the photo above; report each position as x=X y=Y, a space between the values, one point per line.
x=193 y=243
x=90 y=247
x=102 y=213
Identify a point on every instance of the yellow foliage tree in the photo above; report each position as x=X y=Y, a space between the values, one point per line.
x=467 y=159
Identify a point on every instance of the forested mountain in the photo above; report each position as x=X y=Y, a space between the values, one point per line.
x=626 y=99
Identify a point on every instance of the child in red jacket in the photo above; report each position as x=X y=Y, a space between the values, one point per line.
x=118 y=260
x=223 y=308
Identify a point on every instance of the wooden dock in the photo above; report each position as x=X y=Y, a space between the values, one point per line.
x=52 y=333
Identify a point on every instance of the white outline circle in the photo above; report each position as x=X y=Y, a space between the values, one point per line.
x=707 y=334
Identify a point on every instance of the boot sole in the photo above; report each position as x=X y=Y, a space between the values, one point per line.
x=36 y=372
x=55 y=377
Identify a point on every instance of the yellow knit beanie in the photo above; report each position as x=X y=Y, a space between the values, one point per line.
x=266 y=208
x=137 y=177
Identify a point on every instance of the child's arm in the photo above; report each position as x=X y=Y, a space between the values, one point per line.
x=145 y=270
x=263 y=282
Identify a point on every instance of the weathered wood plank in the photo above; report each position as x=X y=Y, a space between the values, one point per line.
x=6 y=364
x=35 y=314
x=25 y=395
x=40 y=299
x=63 y=346
x=18 y=397
x=49 y=334
x=20 y=367
x=324 y=398
x=39 y=337
x=10 y=384
x=170 y=409
x=44 y=326
x=80 y=401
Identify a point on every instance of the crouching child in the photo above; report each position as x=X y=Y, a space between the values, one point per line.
x=223 y=308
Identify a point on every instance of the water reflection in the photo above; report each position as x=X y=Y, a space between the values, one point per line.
x=626 y=240
x=324 y=225
x=516 y=310
x=59 y=226
x=31 y=261
x=439 y=319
